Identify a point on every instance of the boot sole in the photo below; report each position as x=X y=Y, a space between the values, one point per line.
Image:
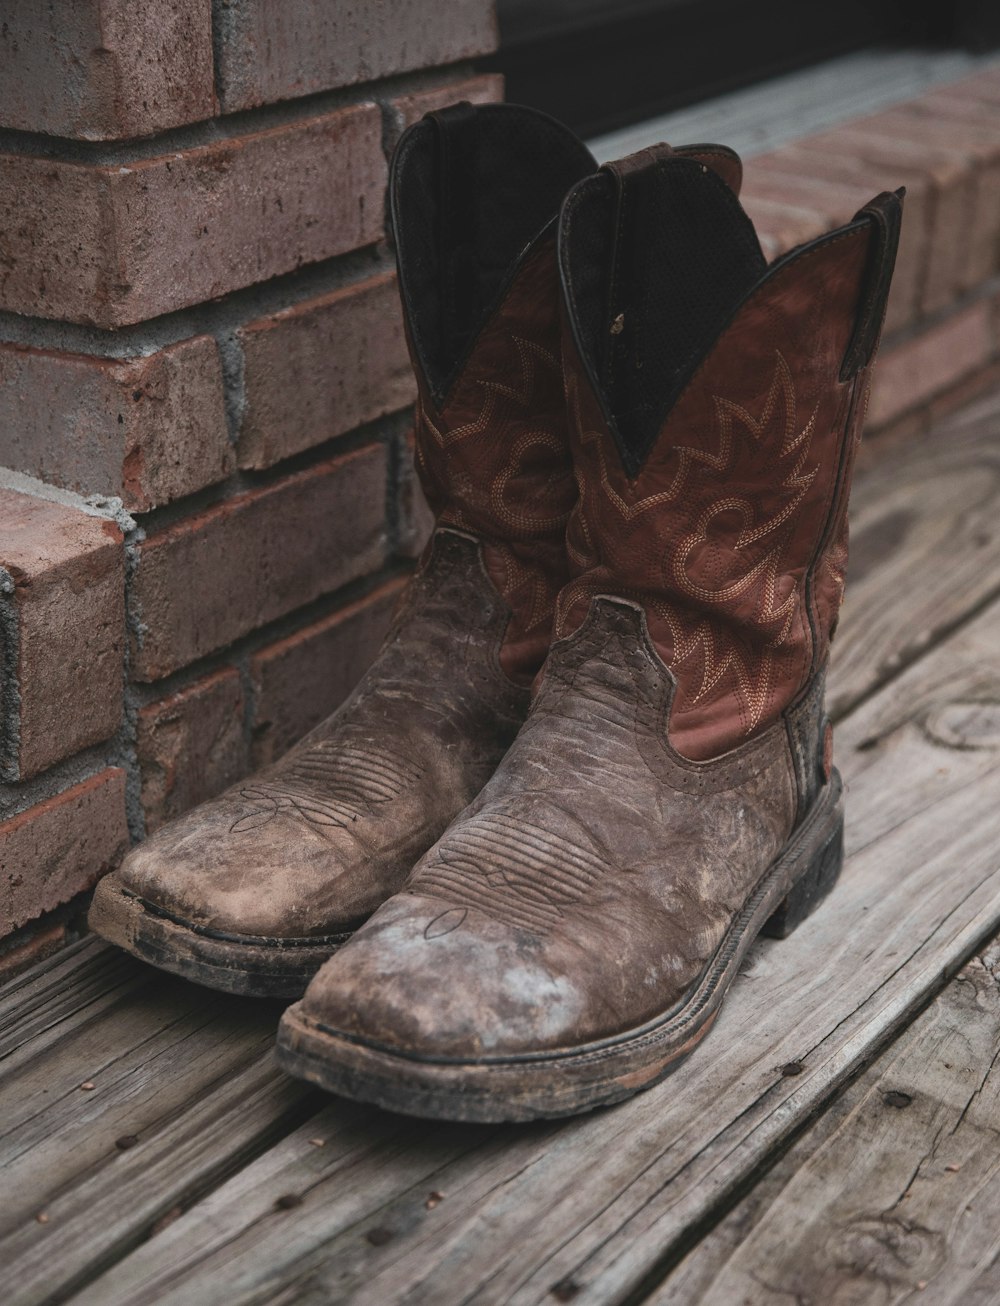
x=247 y=965
x=573 y=1080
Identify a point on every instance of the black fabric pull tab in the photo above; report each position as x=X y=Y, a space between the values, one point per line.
x=627 y=175
x=456 y=141
x=885 y=212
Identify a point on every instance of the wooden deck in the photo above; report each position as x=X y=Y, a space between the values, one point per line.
x=835 y=1140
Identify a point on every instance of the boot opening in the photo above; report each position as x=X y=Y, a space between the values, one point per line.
x=472 y=187
x=656 y=260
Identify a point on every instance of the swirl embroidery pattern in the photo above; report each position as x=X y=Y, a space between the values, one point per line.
x=711 y=569
x=494 y=459
x=742 y=577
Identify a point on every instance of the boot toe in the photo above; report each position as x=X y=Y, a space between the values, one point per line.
x=263 y=883
x=438 y=1011
x=430 y=980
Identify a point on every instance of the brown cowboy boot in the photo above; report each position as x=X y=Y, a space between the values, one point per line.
x=252 y=891
x=570 y=937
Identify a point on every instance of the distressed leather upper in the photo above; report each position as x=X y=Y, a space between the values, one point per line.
x=586 y=887
x=311 y=845
x=494 y=460
x=677 y=736
x=732 y=533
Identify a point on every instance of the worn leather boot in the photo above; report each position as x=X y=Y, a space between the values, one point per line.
x=569 y=939
x=253 y=891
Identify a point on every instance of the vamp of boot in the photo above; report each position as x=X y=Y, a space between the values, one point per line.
x=567 y=941
x=251 y=892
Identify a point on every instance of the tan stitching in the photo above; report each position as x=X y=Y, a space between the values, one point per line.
x=753 y=673
x=529 y=354
x=518 y=518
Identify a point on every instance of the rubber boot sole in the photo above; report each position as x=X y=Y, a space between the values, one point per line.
x=569 y=1081
x=248 y=965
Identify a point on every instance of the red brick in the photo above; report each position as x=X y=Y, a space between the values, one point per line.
x=950 y=198
x=484 y=89
x=101 y=69
x=322 y=367
x=914 y=372
x=207 y=580
x=780 y=224
x=783 y=177
x=68 y=612
x=148 y=430
x=937 y=148
x=982 y=90
x=300 y=680
x=115 y=245
x=976 y=127
x=191 y=745
x=60 y=847
x=880 y=441
x=964 y=394
x=813 y=167
x=271 y=51
x=982 y=87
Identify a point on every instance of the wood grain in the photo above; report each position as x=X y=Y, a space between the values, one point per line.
x=595 y=1204
x=925 y=540
x=72 y=987
x=171 y=1067
x=895 y=1192
x=245 y=1186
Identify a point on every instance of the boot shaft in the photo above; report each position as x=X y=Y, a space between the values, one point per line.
x=715 y=405
x=474 y=194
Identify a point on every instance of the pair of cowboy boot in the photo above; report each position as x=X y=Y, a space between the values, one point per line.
x=591 y=762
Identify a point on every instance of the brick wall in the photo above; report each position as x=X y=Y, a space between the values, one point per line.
x=942 y=332
x=209 y=509
x=204 y=389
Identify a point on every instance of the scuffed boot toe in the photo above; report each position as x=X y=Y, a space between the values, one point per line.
x=243 y=924
x=424 y=980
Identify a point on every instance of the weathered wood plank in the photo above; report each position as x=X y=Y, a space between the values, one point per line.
x=925 y=538
x=207 y=1130
x=25 y=991
x=525 y=1208
x=894 y=1193
x=74 y=985
x=593 y=1204
x=173 y=1070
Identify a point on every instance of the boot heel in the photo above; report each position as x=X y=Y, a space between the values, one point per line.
x=812 y=886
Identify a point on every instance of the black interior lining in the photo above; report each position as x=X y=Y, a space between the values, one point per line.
x=656 y=261
x=472 y=187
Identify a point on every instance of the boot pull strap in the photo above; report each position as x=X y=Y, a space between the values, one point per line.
x=622 y=169
x=456 y=140
x=885 y=212
x=723 y=161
